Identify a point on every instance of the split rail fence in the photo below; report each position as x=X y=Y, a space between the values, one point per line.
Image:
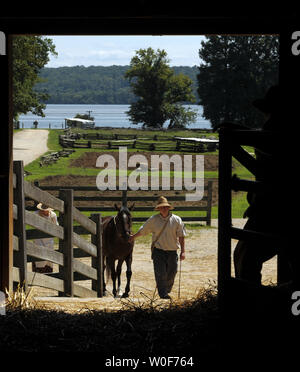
x=71 y=270
x=154 y=143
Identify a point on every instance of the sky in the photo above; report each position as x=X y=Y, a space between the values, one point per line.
x=118 y=50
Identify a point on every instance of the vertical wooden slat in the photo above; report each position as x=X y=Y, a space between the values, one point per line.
x=6 y=170
x=124 y=198
x=66 y=220
x=209 y=201
x=97 y=262
x=224 y=214
x=19 y=224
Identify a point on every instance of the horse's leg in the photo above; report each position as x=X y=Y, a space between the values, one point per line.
x=128 y=275
x=103 y=277
x=119 y=271
x=111 y=264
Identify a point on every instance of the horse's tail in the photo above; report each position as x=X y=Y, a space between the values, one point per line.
x=108 y=270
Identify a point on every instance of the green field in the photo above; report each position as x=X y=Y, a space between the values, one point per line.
x=62 y=166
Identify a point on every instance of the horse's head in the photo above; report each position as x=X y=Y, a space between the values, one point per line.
x=124 y=221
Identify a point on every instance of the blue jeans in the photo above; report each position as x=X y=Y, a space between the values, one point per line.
x=165 y=265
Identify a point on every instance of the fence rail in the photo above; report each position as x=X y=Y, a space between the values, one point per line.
x=149 y=143
x=70 y=269
x=204 y=205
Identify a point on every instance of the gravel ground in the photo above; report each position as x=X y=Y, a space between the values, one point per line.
x=198 y=271
x=29 y=144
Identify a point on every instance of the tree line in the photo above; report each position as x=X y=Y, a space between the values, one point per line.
x=95 y=84
x=232 y=72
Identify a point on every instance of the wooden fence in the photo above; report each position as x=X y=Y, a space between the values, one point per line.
x=154 y=143
x=70 y=269
x=204 y=206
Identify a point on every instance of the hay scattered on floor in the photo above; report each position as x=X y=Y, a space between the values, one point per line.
x=152 y=326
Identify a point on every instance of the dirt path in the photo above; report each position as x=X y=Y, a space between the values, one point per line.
x=29 y=144
x=199 y=270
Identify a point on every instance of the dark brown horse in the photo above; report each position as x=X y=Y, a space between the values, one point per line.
x=116 y=232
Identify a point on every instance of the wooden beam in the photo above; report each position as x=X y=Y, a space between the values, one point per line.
x=224 y=215
x=97 y=262
x=66 y=245
x=44 y=225
x=41 y=196
x=20 y=257
x=6 y=170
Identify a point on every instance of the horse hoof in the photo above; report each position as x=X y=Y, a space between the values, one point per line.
x=125 y=295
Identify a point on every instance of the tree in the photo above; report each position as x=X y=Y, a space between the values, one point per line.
x=235 y=71
x=30 y=55
x=159 y=91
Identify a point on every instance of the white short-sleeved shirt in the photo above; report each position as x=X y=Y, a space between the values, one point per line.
x=168 y=240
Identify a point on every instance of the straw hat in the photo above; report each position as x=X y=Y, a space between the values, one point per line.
x=44 y=207
x=162 y=202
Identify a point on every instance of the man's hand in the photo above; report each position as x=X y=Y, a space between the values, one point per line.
x=182 y=256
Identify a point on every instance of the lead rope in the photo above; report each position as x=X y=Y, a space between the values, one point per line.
x=179 y=278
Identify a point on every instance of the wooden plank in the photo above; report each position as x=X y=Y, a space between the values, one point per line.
x=87 y=271
x=66 y=219
x=40 y=280
x=15 y=211
x=75 y=188
x=249 y=235
x=224 y=215
x=84 y=245
x=94 y=188
x=186 y=218
x=15 y=243
x=255 y=138
x=84 y=221
x=41 y=196
x=43 y=253
x=81 y=291
x=238 y=184
x=43 y=224
x=143 y=209
x=209 y=203
x=6 y=178
x=97 y=262
x=20 y=257
x=247 y=160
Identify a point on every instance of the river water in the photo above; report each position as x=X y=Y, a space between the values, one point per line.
x=104 y=116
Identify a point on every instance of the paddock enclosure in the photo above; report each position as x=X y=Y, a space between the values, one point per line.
x=70 y=269
x=77 y=255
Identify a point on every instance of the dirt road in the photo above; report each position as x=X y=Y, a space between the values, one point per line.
x=29 y=144
x=199 y=270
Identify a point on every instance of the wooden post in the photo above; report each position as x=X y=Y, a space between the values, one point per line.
x=6 y=170
x=97 y=262
x=20 y=257
x=209 y=201
x=66 y=245
x=224 y=215
x=124 y=198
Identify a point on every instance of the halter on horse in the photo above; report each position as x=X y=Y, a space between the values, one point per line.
x=116 y=232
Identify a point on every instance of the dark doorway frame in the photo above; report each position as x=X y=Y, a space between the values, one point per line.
x=134 y=21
